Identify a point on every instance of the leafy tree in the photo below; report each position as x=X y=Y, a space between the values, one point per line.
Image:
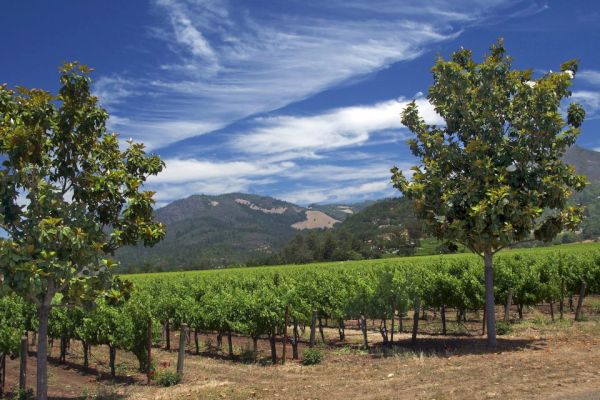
x=69 y=197
x=493 y=175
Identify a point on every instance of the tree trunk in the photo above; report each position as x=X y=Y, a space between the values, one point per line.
x=561 y=306
x=112 y=355
x=507 y=305
x=383 y=331
x=579 y=311
x=42 y=349
x=484 y=321
x=400 y=322
x=520 y=309
x=416 y=320
x=313 y=328
x=489 y=299
x=149 y=350
x=443 y=315
x=2 y=373
x=552 y=310
x=295 y=341
x=341 y=330
x=196 y=341
x=363 y=325
x=168 y=334
x=23 y=364
x=393 y=322
x=86 y=355
x=273 y=348
x=571 y=302
x=255 y=344
x=62 y=359
x=321 y=330
x=230 y=344
x=219 y=341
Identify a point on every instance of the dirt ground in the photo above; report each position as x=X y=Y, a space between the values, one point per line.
x=539 y=359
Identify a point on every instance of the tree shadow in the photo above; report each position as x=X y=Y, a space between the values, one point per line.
x=445 y=346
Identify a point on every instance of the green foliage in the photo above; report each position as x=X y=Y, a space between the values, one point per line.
x=493 y=174
x=503 y=328
x=312 y=356
x=22 y=394
x=167 y=378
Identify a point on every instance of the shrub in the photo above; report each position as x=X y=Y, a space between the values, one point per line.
x=312 y=357
x=23 y=395
x=503 y=328
x=167 y=378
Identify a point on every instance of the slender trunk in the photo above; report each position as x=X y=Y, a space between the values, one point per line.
x=561 y=306
x=443 y=315
x=313 y=328
x=112 y=355
x=2 y=372
x=255 y=344
x=383 y=331
x=219 y=341
x=62 y=359
x=363 y=324
x=424 y=314
x=23 y=364
x=42 y=355
x=579 y=311
x=273 y=348
x=507 y=305
x=571 y=302
x=168 y=334
x=400 y=322
x=341 y=330
x=182 y=344
x=50 y=347
x=149 y=350
x=295 y=342
x=416 y=320
x=520 y=309
x=285 y=333
x=230 y=343
x=393 y=322
x=86 y=355
x=321 y=330
x=552 y=310
x=196 y=341
x=489 y=299
x=484 y=321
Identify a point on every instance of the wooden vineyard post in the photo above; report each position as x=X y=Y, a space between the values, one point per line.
x=579 y=311
x=23 y=364
x=149 y=350
x=507 y=306
x=313 y=328
x=285 y=332
x=182 y=342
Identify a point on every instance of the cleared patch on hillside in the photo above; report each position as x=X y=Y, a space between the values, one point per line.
x=275 y=210
x=316 y=220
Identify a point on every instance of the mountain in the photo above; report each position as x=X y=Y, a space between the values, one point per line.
x=585 y=161
x=212 y=231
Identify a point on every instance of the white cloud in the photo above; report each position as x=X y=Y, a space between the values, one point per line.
x=347 y=126
x=233 y=60
x=590 y=76
x=375 y=189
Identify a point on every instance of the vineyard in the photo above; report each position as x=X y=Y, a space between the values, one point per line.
x=265 y=303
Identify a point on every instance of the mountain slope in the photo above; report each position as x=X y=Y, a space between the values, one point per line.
x=585 y=161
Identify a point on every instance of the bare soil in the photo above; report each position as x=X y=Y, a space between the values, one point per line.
x=539 y=359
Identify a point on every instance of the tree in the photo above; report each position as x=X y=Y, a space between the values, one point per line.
x=69 y=197
x=493 y=175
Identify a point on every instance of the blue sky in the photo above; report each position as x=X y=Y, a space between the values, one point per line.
x=297 y=99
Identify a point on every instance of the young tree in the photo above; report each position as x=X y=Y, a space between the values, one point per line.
x=493 y=175
x=69 y=197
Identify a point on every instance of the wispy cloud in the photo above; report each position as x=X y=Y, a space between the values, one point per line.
x=590 y=76
x=380 y=188
x=229 y=60
x=590 y=101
